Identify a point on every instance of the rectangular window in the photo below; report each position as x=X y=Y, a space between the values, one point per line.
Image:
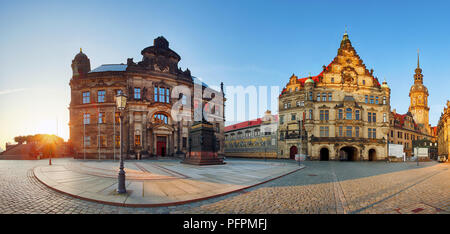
x=340 y=131
x=137 y=93
x=384 y=118
x=101 y=96
x=101 y=141
x=366 y=99
x=156 y=94
x=371 y=99
x=184 y=142
x=341 y=113
x=310 y=96
x=348 y=131
x=374 y=133
x=330 y=97
x=101 y=117
x=293 y=117
x=384 y=100
x=324 y=97
x=369 y=133
x=137 y=140
x=86 y=97
x=281 y=119
x=327 y=115
x=374 y=117
x=376 y=100
x=167 y=96
x=356 y=131
x=161 y=95
x=324 y=131
x=318 y=97
x=369 y=116
x=322 y=115
x=86 y=118
x=87 y=140
x=356 y=114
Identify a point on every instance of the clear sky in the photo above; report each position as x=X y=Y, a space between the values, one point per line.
x=237 y=42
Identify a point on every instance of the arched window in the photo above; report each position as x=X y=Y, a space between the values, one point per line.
x=160 y=118
x=348 y=113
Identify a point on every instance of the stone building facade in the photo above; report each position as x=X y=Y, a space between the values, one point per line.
x=254 y=139
x=443 y=132
x=340 y=114
x=159 y=111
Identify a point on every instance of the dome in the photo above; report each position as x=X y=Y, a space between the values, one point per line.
x=309 y=80
x=419 y=87
x=385 y=85
x=80 y=56
x=160 y=47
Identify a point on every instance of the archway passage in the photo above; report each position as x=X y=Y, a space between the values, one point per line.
x=293 y=151
x=324 y=154
x=372 y=155
x=348 y=153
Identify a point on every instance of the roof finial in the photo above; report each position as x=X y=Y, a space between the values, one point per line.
x=81 y=50
x=418 y=65
x=345 y=33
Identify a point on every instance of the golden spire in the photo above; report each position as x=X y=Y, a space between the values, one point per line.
x=418 y=58
x=81 y=50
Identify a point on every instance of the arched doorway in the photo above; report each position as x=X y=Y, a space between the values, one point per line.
x=324 y=154
x=372 y=155
x=293 y=151
x=348 y=153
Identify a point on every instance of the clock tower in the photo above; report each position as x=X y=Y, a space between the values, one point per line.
x=419 y=100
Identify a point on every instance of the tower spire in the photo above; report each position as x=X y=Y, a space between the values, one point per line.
x=418 y=65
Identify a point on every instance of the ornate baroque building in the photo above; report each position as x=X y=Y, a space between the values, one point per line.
x=340 y=114
x=255 y=138
x=159 y=112
x=443 y=132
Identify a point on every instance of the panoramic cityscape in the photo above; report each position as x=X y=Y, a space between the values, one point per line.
x=225 y=111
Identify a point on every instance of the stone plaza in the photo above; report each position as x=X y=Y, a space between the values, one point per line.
x=241 y=186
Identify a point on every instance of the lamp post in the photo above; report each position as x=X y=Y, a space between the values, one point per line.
x=121 y=102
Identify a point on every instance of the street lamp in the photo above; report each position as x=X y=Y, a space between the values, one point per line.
x=121 y=102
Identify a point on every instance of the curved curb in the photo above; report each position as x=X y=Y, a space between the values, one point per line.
x=163 y=204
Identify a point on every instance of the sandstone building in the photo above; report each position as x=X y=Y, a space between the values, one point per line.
x=159 y=112
x=340 y=114
x=255 y=138
x=443 y=132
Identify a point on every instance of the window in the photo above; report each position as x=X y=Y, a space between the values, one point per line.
x=330 y=97
x=160 y=118
x=384 y=118
x=184 y=142
x=87 y=140
x=86 y=118
x=310 y=96
x=285 y=105
x=281 y=119
x=371 y=99
x=371 y=117
x=366 y=99
x=318 y=97
x=101 y=96
x=324 y=115
x=348 y=131
x=86 y=97
x=372 y=133
x=324 y=97
x=384 y=100
x=292 y=116
x=119 y=91
x=310 y=114
x=183 y=100
x=137 y=140
x=101 y=141
x=137 y=93
x=376 y=100
x=374 y=117
x=162 y=94
x=340 y=131
x=324 y=131
x=356 y=131
x=392 y=133
x=340 y=114
x=356 y=114
x=101 y=117
x=348 y=113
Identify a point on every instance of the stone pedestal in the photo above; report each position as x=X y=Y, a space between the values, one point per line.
x=202 y=145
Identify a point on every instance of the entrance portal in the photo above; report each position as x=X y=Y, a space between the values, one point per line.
x=324 y=154
x=372 y=155
x=348 y=153
x=161 y=146
x=293 y=152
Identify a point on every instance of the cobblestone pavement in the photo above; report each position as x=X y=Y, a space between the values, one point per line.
x=323 y=187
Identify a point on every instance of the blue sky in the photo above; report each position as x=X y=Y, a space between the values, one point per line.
x=237 y=42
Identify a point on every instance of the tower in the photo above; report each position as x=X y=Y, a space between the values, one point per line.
x=419 y=100
x=81 y=64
